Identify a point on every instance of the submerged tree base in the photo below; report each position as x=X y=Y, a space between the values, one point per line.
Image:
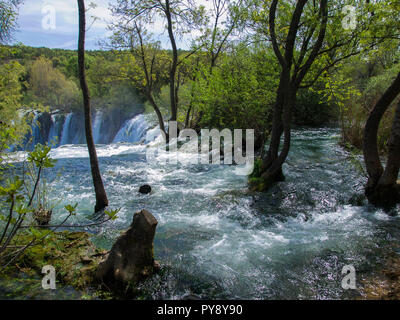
x=385 y=197
x=259 y=182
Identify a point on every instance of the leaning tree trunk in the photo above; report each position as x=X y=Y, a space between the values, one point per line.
x=381 y=189
x=389 y=176
x=373 y=164
x=386 y=192
x=101 y=196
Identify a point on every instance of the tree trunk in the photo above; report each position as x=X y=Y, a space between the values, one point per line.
x=391 y=172
x=187 y=119
x=277 y=128
x=159 y=116
x=101 y=196
x=189 y=110
x=370 y=139
x=271 y=170
x=386 y=193
x=174 y=65
x=273 y=173
x=276 y=134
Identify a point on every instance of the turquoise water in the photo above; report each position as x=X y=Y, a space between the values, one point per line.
x=217 y=240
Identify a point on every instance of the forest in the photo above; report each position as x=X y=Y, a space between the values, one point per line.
x=84 y=207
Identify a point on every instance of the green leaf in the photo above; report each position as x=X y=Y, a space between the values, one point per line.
x=71 y=209
x=113 y=213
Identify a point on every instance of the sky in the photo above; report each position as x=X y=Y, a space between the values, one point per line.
x=54 y=24
x=37 y=28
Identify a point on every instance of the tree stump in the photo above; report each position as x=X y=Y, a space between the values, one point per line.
x=131 y=258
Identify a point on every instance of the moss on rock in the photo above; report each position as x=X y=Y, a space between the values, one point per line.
x=257 y=180
x=72 y=254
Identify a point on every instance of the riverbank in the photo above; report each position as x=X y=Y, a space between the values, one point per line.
x=72 y=254
x=385 y=284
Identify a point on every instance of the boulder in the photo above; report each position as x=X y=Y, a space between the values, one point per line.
x=131 y=258
x=145 y=189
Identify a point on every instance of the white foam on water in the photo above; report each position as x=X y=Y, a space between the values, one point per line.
x=210 y=229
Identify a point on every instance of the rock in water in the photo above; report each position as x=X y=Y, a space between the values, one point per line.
x=146 y=189
x=131 y=258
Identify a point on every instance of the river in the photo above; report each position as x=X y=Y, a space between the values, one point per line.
x=216 y=240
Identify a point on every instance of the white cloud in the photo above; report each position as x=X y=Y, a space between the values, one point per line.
x=30 y=21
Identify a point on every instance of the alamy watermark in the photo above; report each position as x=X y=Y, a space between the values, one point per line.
x=206 y=150
x=349 y=21
x=49 y=17
x=49 y=280
x=349 y=279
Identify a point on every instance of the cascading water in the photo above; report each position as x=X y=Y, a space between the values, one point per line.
x=65 y=130
x=133 y=130
x=53 y=131
x=69 y=129
x=56 y=129
x=97 y=126
x=217 y=240
x=36 y=136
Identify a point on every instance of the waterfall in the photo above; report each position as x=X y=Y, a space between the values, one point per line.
x=65 y=130
x=77 y=129
x=58 y=129
x=53 y=133
x=97 y=126
x=133 y=130
x=36 y=136
x=57 y=122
